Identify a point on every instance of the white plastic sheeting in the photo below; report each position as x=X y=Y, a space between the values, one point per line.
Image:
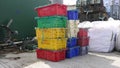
x=69 y=2
x=85 y=24
x=102 y=35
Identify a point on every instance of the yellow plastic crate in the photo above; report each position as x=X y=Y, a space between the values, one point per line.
x=52 y=44
x=50 y=33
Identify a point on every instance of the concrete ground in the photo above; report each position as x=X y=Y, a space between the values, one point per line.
x=92 y=60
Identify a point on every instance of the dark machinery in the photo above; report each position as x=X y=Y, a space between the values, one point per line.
x=9 y=41
x=91 y=10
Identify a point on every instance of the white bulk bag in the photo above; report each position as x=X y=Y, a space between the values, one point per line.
x=101 y=40
x=117 y=46
x=85 y=24
x=102 y=35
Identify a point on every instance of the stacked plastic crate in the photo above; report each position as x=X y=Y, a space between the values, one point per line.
x=72 y=48
x=51 y=32
x=83 y=40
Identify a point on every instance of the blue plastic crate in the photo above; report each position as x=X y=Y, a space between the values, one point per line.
x=71 y=42
x=84 y=50
x=72 y=52
x=77 y=51
x=72 y=15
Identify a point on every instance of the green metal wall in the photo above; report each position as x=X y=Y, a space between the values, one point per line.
x=22 y=12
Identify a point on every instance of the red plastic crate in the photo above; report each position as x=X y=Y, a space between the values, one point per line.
x=84 y=41
x=52 y=10
x=82 y=33
x=40 y=54
x=51 y=55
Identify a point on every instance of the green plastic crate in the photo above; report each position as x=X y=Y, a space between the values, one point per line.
x=51 y=22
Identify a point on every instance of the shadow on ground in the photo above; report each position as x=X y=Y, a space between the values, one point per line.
x=92 y=60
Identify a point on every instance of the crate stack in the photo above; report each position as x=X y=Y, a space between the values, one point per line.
x=83 y=40
x=51 y=32
x=72 y=48
x=72 y=23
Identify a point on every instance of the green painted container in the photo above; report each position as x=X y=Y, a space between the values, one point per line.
x=22 y=12
x=51 y=22
x=1 y=35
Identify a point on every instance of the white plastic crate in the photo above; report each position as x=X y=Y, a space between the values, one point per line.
x=72 y=28
x=71 y=33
